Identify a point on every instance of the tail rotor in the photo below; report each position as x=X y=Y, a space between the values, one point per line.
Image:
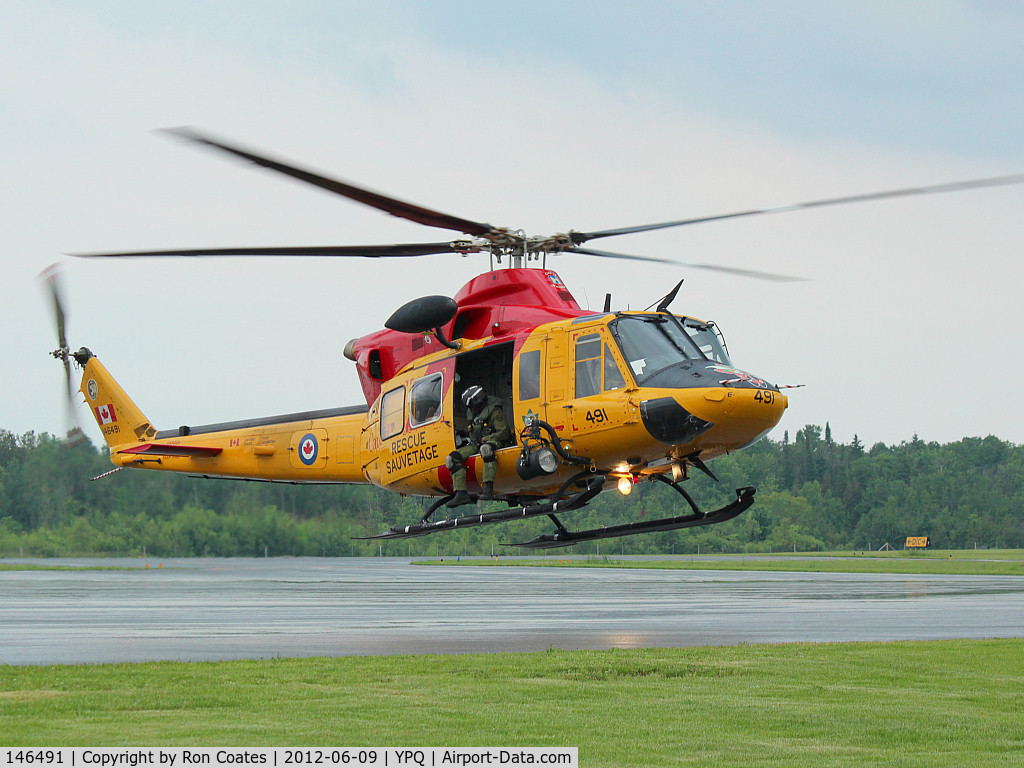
x=50 y=278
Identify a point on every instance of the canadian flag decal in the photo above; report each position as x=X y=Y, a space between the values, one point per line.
x=105 y=414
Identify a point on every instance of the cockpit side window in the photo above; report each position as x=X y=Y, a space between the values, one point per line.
x=612 y=375
x=596 y=369
x=588 y=365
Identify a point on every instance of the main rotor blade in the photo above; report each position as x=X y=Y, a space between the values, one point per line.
x=956 y=186
x=364 y=251
x=610 y=255
x=715 y=267
x=399 y=208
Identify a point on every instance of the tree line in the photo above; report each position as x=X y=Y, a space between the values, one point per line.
x=812 y=493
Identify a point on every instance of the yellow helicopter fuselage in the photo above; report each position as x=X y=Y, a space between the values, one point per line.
x=579 y=376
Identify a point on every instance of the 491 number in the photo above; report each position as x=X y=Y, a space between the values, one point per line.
x=597 y=416
x=766 y=396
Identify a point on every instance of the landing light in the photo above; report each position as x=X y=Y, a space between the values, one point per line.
x=625 y=485
x=547 y=460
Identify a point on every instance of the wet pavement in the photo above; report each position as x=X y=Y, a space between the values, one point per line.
x=204 y=609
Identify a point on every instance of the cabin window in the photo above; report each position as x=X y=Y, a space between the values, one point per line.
x=529 y=375
x=588 y=365
x=425 y=400
x=392 y=413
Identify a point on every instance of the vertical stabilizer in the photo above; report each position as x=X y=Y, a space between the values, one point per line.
x=118 y=418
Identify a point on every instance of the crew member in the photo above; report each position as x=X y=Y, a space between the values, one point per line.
x=488 y=432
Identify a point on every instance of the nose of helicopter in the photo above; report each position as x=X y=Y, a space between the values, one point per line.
x=726 y=417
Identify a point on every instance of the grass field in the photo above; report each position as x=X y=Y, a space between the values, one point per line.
x=965 y=563
x=941 y=703
x=928 y=554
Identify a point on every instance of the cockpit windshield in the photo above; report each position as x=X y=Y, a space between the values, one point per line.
x=707 y=338
x=654 y=343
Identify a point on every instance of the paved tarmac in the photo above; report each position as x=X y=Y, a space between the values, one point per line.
x=207 y=609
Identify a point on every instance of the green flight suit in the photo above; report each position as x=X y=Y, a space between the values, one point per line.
x=487 y=426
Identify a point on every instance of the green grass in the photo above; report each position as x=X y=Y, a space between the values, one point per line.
x=852 y=704
x=926 y=554
x=1004 y=563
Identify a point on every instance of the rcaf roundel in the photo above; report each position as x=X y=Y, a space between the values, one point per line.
x=308 y=449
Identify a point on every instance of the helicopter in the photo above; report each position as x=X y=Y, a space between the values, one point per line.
x=591 y=401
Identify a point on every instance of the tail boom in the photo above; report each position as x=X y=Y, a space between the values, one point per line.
x=310 y=447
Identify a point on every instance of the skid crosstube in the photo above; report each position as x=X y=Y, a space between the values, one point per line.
x=744 y=498
x=424 y=527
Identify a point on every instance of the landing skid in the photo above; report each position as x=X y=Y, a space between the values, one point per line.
x=590 y=486
x=565 y=538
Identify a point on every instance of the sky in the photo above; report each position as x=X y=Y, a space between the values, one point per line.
x=534 y=115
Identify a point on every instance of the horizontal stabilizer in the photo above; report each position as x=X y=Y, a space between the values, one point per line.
x=163 y=449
